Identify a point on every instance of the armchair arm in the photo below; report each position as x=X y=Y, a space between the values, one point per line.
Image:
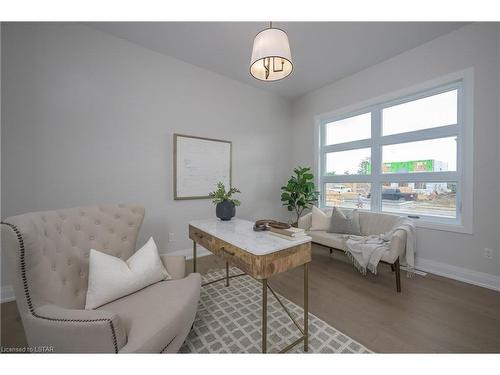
x=77 y=331
x=398 y=244
x=305 y=221
x=175 y=265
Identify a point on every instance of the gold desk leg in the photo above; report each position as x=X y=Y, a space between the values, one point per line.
x=264 y=315
x=306 y=308
x=194 y=256
x=227 y=273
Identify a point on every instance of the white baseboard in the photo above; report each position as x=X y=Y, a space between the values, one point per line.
x=7 y=294
x=465 y=275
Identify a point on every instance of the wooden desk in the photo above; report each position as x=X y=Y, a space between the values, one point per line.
x=258 y=254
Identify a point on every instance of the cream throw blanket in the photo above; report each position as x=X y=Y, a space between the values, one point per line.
x=366 y=251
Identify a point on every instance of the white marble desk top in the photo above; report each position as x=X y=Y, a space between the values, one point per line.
x=240 y=233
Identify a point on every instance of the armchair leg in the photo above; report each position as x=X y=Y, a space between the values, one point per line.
x=398 y=275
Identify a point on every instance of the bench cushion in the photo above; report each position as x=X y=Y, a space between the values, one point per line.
x=337 y=241
x=334 y=240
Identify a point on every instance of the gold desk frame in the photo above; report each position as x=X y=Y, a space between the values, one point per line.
x=298 y=255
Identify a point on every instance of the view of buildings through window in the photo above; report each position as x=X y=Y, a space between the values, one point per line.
x=418 y=151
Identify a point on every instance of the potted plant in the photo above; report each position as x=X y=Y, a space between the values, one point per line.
x=300 y=192
x=225 y=205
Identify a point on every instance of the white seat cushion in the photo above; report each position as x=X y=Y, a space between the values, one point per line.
x=156 y=315
x=334 y=240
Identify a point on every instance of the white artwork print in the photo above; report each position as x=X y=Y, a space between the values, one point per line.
x=201 y=163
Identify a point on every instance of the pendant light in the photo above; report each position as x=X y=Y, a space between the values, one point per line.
x=271 y=57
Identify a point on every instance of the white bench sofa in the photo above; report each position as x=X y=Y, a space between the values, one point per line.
x=370 y=223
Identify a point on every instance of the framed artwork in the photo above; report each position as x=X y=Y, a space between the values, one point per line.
x=199 y=163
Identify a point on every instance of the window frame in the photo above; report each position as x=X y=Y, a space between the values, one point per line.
x=463 y=130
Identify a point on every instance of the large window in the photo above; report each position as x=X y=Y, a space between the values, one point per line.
x=402 y=156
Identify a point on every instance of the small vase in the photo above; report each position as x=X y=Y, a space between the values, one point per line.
x=225 y=210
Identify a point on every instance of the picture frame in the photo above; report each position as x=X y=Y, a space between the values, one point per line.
x=198 y=164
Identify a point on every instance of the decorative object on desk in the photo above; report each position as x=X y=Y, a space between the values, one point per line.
x=226 y=205
x=199 y=163
x=291 y=233
x=265 y=225
x=300 y=192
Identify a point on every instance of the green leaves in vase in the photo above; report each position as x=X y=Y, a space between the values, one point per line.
x=220 y=195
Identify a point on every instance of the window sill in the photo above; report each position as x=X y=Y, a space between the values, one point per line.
x=446 y=227
x=425 y=223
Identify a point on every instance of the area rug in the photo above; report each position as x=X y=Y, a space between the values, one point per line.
x=229 y=321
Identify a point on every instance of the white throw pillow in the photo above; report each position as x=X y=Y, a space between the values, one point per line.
x=320 y=220
x=111 y=278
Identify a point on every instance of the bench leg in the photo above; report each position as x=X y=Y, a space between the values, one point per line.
x=398 y=275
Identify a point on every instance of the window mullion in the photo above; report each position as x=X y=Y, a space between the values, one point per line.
x=421 y=135
x=364 y=143
x=322 y=166
x=376 y=159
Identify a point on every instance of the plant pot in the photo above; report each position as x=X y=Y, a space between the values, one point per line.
x=225 y=210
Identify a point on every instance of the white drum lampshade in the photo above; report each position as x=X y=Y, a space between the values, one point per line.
x=271 y=57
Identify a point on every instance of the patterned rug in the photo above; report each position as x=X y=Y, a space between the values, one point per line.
x=229 y=321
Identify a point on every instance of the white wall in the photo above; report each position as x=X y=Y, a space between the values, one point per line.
x=476 y=46
x=88 y=118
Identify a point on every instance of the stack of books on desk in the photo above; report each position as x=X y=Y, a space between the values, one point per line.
x=289 y=234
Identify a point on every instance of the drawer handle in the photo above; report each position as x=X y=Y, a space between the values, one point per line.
x=227 y=251
x=199 y=235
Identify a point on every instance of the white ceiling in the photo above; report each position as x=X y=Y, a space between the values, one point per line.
x=322 y=52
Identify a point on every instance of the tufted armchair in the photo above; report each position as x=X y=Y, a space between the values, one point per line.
x=50 y=251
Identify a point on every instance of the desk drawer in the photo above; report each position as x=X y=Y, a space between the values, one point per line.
x=201 y=238
x=233 y=255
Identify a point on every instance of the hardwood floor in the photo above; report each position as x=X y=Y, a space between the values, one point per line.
x=11 y=329
x=432 y=314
